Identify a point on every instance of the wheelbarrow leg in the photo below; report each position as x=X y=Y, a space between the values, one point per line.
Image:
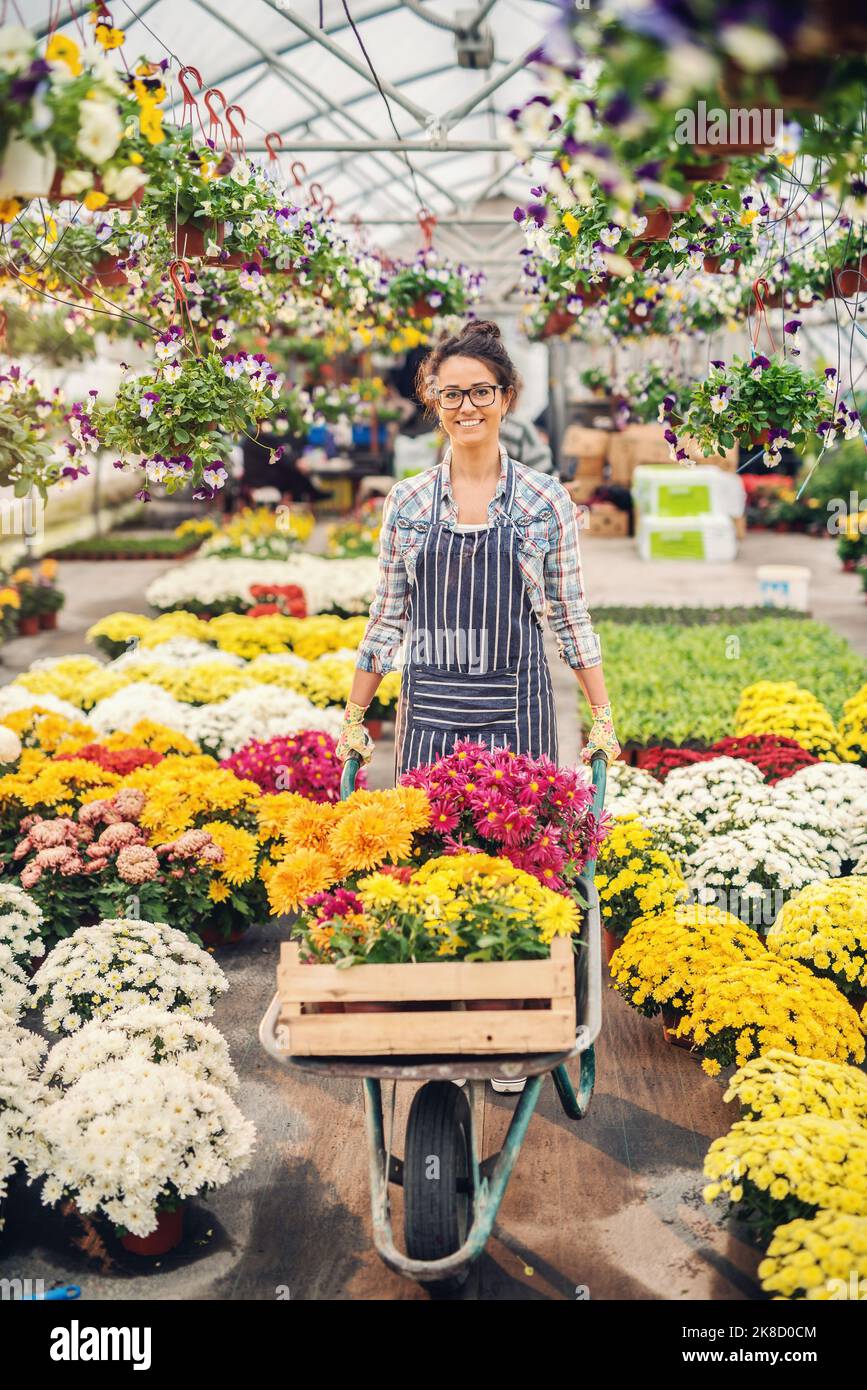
x=577 y=1103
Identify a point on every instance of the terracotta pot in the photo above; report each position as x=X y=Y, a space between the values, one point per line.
x=374 y=728
x=367 y=1007
x=728 y=151
x=486 y=1005
x=705 y=173
x=774 y=300
x=191 y=238
x=559 y=321
x=106 y=272
x=29 y=626
x=421 y=309
x=849 y=566
x=637 y=260
x=850 y=281
x=712 y=265
x=56 y=196
x=48 y=621
x=659 y=225
x=212 y=936
x=168 y=1234
x=760 y=438
x=610 y=942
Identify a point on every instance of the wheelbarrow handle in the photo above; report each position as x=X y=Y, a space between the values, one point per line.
x=348 y=776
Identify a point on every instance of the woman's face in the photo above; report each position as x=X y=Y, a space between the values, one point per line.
x=472 y=425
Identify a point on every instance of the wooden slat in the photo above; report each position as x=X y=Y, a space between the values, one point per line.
x=451 y=1033
x=533 y=979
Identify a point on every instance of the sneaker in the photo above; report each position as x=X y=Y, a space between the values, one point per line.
x=508 y=1085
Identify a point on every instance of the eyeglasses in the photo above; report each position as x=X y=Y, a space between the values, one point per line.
x=452 y=398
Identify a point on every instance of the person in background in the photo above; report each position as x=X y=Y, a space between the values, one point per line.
x=524 y=443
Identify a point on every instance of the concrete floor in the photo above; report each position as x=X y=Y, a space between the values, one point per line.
x=613 y=1204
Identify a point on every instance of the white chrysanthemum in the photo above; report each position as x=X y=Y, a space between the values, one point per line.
x=20 y=924
x=348 y=585
x=177 y=651
x=16 y=697
x=707 y=789
x=21 y=1095
x=126 y=1133
x=841 y=789
x=121 y=964
x=14 y=987
x=258 y=712
x=141 y=700
x=759 y=866
x=149 y=1033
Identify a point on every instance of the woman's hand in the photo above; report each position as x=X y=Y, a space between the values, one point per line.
x=354 y=740
x=602 y=737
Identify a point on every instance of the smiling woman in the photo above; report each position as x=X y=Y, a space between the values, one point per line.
x=474 y=553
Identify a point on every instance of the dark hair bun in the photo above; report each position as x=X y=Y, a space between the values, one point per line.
x=481 y=327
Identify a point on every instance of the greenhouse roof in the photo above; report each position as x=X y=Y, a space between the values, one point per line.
x=434 y=135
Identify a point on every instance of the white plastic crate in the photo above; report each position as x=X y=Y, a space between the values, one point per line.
x=675 y=491
x=708 y=538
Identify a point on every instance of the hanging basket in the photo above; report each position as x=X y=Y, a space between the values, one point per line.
x=712 y=266
x=659 y=224
x=106 y=272
x=421 y=309
x=850 y=281
x=57 y=196
x=191 y=238
x=731 y=151
x=558 y=322
x=704 y=173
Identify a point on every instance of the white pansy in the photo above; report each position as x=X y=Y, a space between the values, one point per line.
x=99 y=129
x=16 y=48
x=121 y=184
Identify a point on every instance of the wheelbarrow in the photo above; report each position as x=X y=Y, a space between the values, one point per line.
x=451 y=1194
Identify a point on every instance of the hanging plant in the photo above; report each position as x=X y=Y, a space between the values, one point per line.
x=172 y=419
x=763 y=402
x=29 y=423
x=430 y=286
x=71 y=126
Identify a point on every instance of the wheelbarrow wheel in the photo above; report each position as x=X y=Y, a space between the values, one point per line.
x=437 y=1178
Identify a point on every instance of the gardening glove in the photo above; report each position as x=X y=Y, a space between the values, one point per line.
x=354 y=740
x=602 y=736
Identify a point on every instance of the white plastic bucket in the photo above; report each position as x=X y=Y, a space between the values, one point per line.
x=784 y=586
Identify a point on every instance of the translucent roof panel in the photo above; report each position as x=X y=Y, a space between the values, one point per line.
x=314 y=86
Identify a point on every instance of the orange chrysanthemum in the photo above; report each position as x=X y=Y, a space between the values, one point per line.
x=300 y=873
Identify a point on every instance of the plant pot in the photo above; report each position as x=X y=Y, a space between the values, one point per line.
x=712 y=265
x=107 y=272
x=670 y=1019
x=168 y=1234
x=558 y=322
x=28 y=626
x=374 y=728
x=421 y=309
x=850 y=281
x=367 y=1007
x=192 y=237
x=659 y=224
x=705 y=173
x=637 y=260
x=729 y=151
x=487 y=1005
x=26 y=172
x=761 y=438
x=610 y=942
x=850 y=566
x=212 y=936
x=48 y=621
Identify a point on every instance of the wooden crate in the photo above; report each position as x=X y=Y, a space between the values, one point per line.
x=412 y=1029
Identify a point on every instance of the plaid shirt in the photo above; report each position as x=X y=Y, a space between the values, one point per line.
x=546 y=521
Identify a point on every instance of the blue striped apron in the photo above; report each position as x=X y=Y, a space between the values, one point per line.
x=475 y=663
